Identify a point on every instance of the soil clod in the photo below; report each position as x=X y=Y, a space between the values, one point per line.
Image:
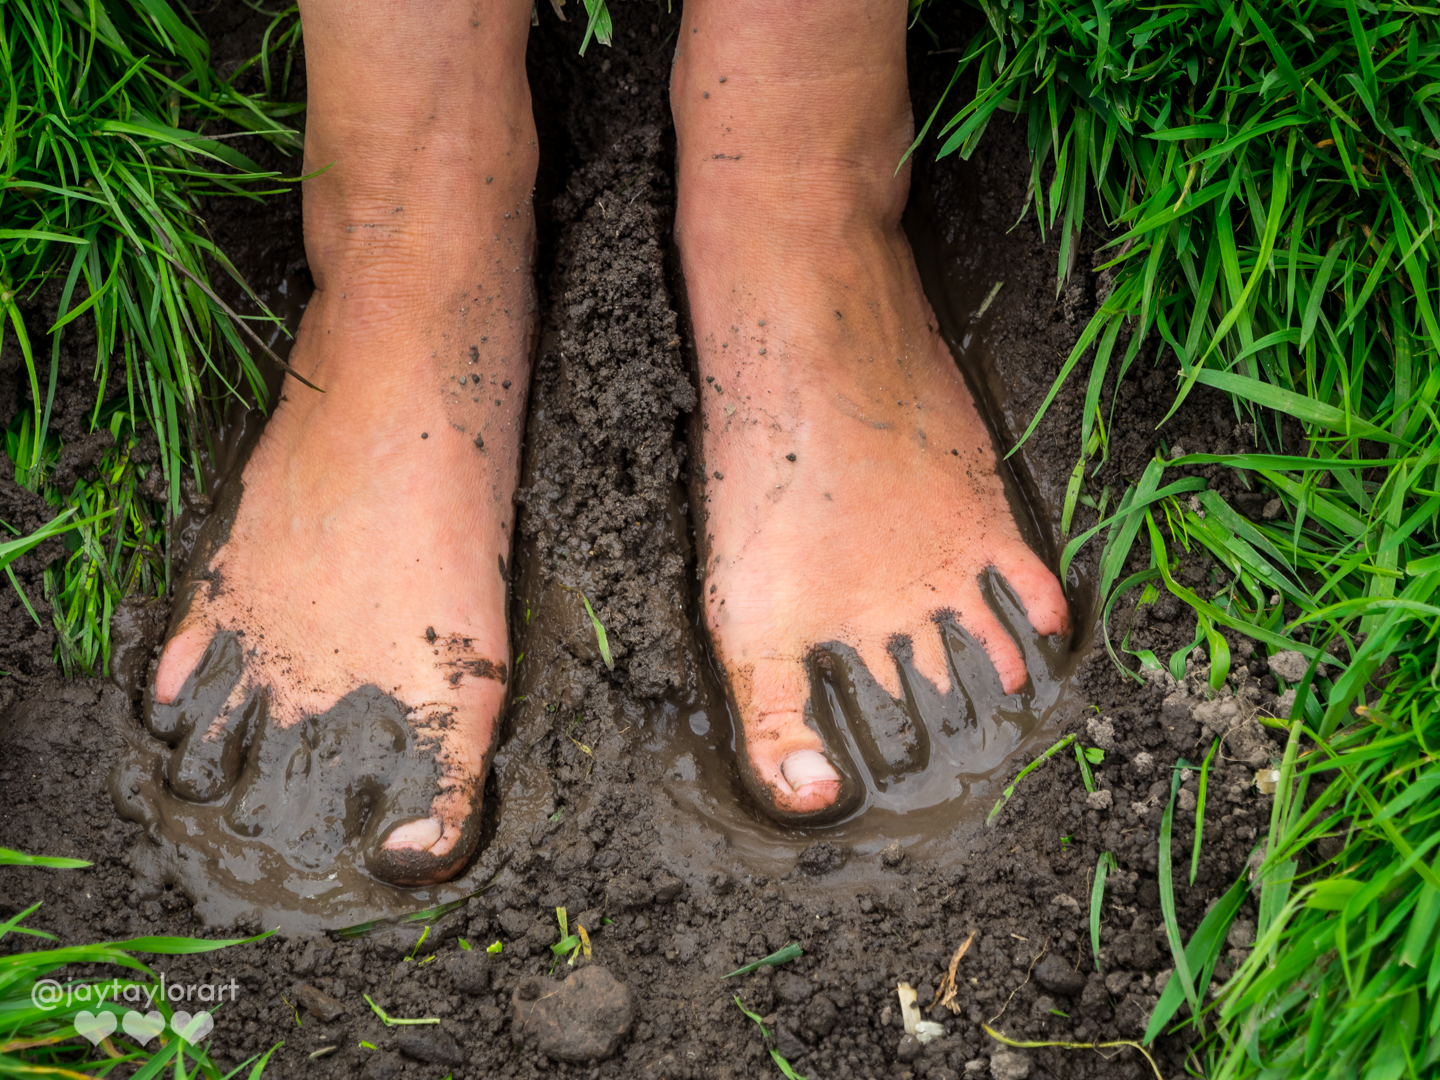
x=581 y=1019
x=430 y=1043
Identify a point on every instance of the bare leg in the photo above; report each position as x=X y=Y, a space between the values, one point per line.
x=851 y=486
x=368 y=548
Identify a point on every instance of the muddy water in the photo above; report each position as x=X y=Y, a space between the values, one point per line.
x=926 y=765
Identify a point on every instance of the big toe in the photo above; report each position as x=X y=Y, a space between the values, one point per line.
x=412 y=846
x=785 y=758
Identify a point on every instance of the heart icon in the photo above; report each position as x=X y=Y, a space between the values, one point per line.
x=192 y=1028
x=94 y=1027
x=143 y=1028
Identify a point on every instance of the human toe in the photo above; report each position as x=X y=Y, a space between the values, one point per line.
x=428 y=846
x=785 y=756
x=976 y=618
x=1038 y=590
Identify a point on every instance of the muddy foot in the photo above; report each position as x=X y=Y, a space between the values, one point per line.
x=338 y=654
x=850 y=488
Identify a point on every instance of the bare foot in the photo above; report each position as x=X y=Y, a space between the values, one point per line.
x=337 y=664
x=851 y=492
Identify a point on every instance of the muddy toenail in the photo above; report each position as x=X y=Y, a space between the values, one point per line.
x=420 y=835
x=806 y=767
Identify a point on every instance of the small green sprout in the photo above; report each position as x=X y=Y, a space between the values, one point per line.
x=776 y=1056
x=390 y=1021
x=780 y=956
x=599 y=634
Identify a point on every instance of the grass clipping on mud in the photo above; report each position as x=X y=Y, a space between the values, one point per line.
x=104 y=155
x=1269 y=174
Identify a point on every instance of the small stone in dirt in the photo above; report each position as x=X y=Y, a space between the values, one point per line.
x=1144 y=763
x=821 y=1015
x=793 y=989
x=627 y=891
x=1009 y=1065
x=893 y=854
x=431 y=1044
x=1217 y=717
x=1066 y=901
x=1101 y=732
x=383 y=1066
x=584 y=1017
x=909 y=1049
x=1095 y=1002
x=976 y=1066
x=393 y=942
x=469 y=971
x=1117 y=982
x=1133 y=1014
x=318 y=1004
x=820 y=858
x=1185 y=801
x=1291 y=666
x=667 y=887
x=1099 y=800
x=789 y=1045
x=1058 y=977
x=1272 y=510
x=683 y=947
x=1242 y=934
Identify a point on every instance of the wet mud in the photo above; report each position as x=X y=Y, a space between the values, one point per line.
x=616 y=792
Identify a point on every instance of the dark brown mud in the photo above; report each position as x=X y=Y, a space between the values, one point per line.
x=616 y=792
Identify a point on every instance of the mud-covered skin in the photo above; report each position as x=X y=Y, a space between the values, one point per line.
x=357 y=566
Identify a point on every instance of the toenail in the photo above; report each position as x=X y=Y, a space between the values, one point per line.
x=419 y=835
x=806 y=767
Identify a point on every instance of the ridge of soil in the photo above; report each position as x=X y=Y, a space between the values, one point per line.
x=582 y=804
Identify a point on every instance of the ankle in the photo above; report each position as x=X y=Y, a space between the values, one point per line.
x=770 y=132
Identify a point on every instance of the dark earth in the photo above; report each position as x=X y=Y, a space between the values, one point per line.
x=614 y=793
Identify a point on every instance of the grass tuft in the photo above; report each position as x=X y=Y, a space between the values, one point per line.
x=108 y=141
x=1270 y=177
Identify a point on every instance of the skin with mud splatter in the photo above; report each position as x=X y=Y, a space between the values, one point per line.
x=366 y=550
x=854 y=495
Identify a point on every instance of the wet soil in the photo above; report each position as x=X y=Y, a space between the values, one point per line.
x=616 y=789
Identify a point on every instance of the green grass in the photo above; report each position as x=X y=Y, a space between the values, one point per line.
x=36 y=1041
x=106 y=144
x=1269 y=176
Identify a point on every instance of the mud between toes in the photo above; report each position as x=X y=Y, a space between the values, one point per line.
x=615 y=792
x=290 y=830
